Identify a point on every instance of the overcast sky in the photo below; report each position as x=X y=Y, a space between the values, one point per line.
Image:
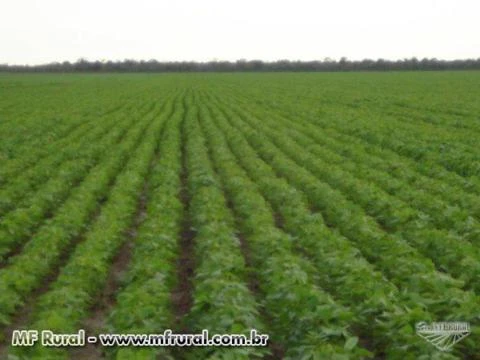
x=40 y=31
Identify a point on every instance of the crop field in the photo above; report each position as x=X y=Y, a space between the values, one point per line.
x=332 y=211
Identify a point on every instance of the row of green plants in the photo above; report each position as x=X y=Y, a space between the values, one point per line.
x=410 y=112
x=31 y=178
x=25 y=140
x=335 y=122
x=303 y=320
x=383 y=315
x=447 y=250
x=13 y=164
x=452 y=149
x=37 y=145
x=447 y=206
x=40 y=256
x=39 y=118
x=73 y=293
x=144 y=305
x=401 y=263
x=469 y=184
x=422 y=142
x=21 y=223
x=432 y=141
x=221 y=299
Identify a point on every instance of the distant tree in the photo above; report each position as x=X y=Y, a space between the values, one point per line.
x=130 y=65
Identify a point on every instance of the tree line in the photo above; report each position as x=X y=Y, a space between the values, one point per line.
x=83 y=65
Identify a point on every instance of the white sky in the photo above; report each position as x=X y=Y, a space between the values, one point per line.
x=40 y=31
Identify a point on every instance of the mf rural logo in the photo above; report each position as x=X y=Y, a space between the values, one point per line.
x=443 y=335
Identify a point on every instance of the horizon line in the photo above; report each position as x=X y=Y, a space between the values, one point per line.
x=217 y=60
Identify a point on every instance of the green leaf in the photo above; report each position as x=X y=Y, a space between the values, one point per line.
x=351 y=343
